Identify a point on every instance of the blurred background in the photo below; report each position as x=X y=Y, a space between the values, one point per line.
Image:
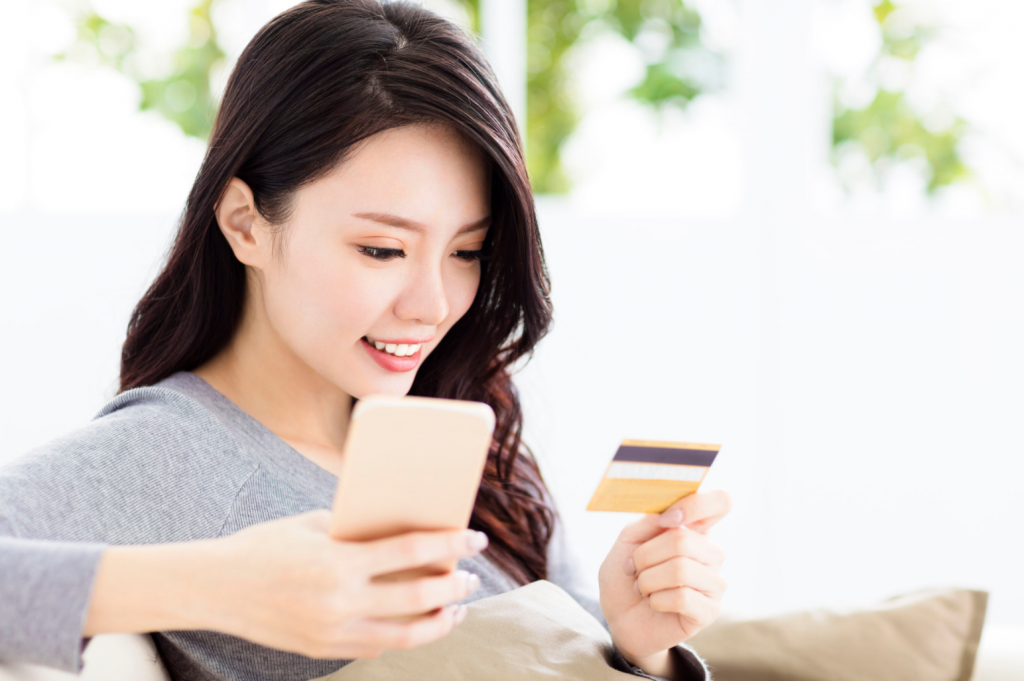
x=795 y=229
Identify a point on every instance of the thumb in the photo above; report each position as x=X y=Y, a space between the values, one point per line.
x=642 y=530
x=650 y=526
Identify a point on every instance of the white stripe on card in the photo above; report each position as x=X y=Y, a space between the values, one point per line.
x=655 y=471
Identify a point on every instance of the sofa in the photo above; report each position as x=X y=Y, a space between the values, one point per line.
x=936 y=634
x=132 y=657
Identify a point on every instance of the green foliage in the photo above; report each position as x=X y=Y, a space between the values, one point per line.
x=473 y=9
x=555 y=26
x=888 y=129
x=184 y=96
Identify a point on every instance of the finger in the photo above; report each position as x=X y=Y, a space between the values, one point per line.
x=319 y=519
x=693 y=606
x=415 y=549
x=680 y=572
x=698 y=511
x=419 y=595
x=404 y=635
x=679 y=542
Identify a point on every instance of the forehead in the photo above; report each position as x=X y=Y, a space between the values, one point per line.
x=424 y=173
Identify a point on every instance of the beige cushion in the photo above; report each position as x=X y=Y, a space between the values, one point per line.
x=535 y=632
x=925 y=636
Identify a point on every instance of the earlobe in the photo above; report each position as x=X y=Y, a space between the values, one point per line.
x=236 y=216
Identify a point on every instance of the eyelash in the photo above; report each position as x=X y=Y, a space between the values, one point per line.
x=386 y=254
x=381 y=253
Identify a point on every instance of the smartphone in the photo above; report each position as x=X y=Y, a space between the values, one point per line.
x=410 y=463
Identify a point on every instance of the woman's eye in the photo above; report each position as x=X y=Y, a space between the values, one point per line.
x=382 y=253
x=469 y=255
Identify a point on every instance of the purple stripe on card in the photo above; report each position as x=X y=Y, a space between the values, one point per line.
x=684 y=457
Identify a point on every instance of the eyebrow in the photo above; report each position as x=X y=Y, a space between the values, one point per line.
x=397 y=221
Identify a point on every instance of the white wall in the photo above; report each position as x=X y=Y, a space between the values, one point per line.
x=67 y=287
x=863 y=379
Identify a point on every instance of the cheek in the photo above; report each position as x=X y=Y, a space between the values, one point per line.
x=461 y=293
x=319 y=307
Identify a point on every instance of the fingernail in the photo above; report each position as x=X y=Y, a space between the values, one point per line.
x=460 y=614
x=630 y=567
x=477 y=541
x=636 y=588
x=671 y=518
x=470 y=582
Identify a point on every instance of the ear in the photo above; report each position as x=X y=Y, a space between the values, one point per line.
x=238 y=220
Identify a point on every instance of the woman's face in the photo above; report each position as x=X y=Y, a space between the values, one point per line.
x=378 y=259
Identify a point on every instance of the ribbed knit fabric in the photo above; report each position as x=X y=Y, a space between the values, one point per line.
x=173 y=462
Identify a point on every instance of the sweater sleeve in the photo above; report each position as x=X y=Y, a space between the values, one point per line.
x=45 y=589
x=146 y=474
x=563 y=570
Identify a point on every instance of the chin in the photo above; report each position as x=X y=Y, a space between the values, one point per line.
x=396 y=387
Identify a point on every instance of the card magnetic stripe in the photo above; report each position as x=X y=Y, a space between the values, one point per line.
x=684 y=457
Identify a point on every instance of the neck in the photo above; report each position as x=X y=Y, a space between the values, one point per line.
x=263 y=377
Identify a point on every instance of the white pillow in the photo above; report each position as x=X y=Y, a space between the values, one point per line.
x=108 y=657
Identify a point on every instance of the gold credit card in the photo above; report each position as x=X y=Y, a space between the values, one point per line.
x=648 y=477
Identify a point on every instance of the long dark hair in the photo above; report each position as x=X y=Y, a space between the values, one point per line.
x=316 y=80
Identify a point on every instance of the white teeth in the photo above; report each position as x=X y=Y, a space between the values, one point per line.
x=396 y=349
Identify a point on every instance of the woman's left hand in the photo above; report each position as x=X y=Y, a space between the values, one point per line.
x=660 y=583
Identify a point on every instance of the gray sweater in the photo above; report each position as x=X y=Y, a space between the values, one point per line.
x=173 y=462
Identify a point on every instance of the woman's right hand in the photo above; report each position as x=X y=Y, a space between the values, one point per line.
x=287 y=584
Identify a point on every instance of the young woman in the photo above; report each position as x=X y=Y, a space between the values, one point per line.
x=362 y=223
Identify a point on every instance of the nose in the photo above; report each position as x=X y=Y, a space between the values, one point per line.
x=424 y=299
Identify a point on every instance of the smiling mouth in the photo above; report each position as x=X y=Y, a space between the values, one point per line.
x=396 y=349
